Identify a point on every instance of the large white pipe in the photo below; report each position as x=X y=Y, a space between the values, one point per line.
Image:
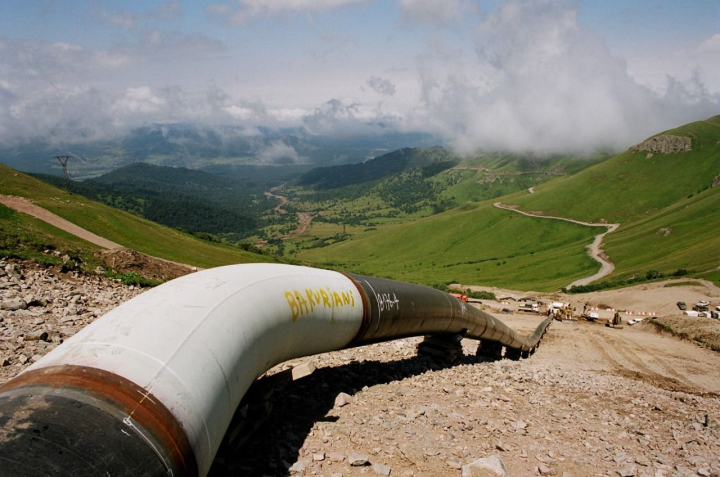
x=185 y=353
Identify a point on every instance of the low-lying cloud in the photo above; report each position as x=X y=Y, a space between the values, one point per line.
x=278 y=152
x=537 y=81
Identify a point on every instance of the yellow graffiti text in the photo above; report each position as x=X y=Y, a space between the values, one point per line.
x=304 y=302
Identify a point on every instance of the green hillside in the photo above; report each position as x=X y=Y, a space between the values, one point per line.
x=429 y=161
x=681 y=236
x=177 y=197
x=631 y=184
x=668 y=211
x=120 y=227
x=470 y=244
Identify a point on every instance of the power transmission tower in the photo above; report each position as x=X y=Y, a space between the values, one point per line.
x=63 y=160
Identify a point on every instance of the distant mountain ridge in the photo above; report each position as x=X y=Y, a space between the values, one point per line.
x=429 y=160
x=196 y=147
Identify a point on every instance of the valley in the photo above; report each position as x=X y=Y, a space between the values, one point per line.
x=350 y=238
x=633 y=401
x=428 y=216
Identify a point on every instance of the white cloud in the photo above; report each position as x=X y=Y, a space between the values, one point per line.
x=537 y=81
x=436 y=12
x=139 y=100
x=711 y=45
x=238 y=112
x=120 y=18
x=381 y=85
x=279 y=152
x=240 y=12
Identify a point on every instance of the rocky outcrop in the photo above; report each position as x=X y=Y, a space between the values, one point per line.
x=665 y=144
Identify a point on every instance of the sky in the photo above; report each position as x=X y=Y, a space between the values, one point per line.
x=545 y=76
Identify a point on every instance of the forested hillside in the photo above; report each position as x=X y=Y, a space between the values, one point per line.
x=428 y=162
x=182 y=198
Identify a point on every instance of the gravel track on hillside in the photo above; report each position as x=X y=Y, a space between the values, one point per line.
x=594 y=249
x=26 y=206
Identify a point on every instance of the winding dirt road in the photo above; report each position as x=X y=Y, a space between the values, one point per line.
x=594 y=249
x=304 y=218
x=283 y=200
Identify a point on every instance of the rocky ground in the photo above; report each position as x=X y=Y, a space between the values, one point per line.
x=407 y=415
x=591 y=401
x=41 y=307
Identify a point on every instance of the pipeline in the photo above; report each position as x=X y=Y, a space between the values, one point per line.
x=150 y=388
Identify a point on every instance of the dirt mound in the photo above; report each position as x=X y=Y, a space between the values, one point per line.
x=125 y=260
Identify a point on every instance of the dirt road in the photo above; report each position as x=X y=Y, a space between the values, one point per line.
x=594 y=249
x=636 y=351
x=283 y=200
x=24 y=205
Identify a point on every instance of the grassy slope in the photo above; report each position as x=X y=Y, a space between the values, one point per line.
x=644 y=194
x=630 y=185
x=501 y=248
x=121 y=227
x=692 y=243
x=26 y=237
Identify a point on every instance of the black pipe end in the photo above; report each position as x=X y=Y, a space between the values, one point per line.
x=53 y=435
x=76 y=420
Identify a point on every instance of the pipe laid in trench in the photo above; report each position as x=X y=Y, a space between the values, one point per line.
x=149 y=389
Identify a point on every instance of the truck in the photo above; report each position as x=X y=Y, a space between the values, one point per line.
x=529 y=308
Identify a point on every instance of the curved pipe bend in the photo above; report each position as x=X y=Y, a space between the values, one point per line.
x=150 y=388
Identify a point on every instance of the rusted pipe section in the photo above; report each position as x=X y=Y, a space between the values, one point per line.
x=150 y=388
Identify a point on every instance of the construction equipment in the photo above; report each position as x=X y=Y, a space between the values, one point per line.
x=615 y=322
x=562 y=311
x=460 y=297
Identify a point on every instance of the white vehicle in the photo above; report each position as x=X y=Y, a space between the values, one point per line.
x=692 y=313
x=530 y=307
x=703 y=303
